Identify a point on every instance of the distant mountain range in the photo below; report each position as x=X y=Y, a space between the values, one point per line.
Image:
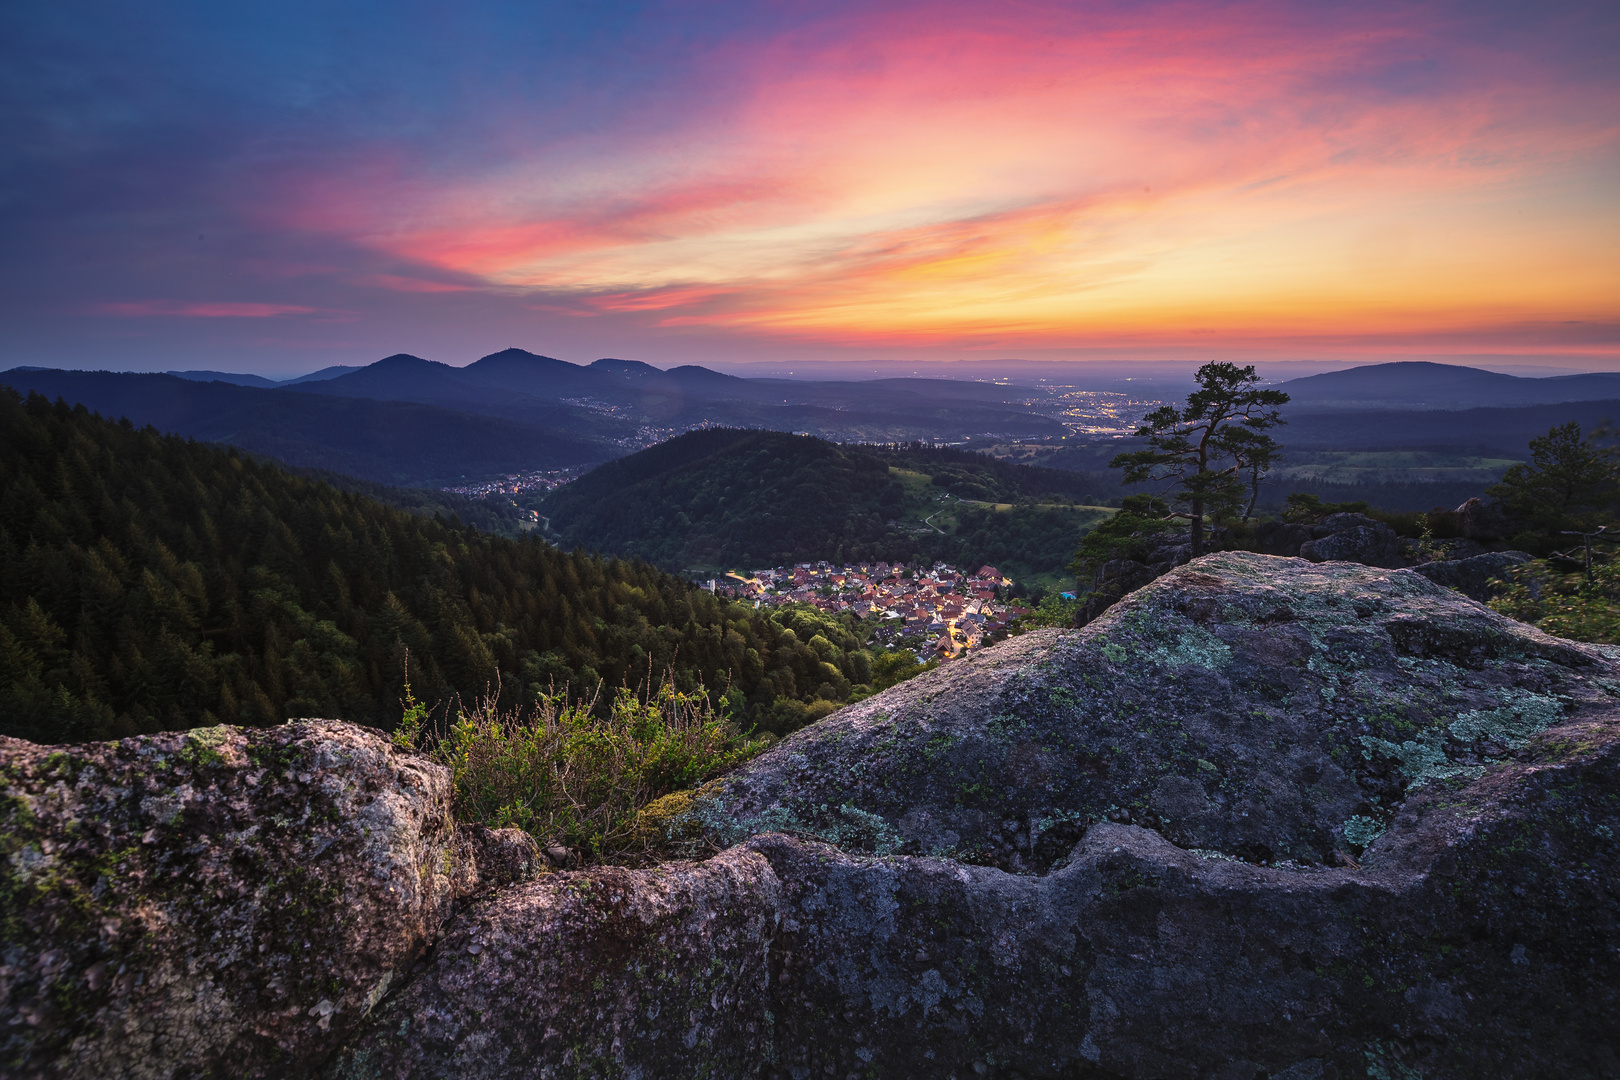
x=259 y=380
x=631 y=395
x=405 y=420
x=1423 y=385
x=401 y=443
x=408 y=420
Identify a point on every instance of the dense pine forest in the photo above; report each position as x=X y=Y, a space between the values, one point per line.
x=148 y=582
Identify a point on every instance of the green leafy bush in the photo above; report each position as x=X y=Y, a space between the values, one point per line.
x=1565 y=604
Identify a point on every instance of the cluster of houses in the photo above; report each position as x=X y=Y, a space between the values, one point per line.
x=935 y=611
x=517 y=483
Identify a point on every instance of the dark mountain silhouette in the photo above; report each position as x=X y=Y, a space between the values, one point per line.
x=385 y=441
x=629 y=369
x=401 y=377
x=1424 y=385
x=735 y=497
x=323 y=374
x=521 y=385
x=232 y=377
x=541 y=377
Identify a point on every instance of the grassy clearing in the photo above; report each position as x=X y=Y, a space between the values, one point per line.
x=1393 y=466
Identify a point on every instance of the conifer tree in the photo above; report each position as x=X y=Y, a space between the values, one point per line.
x=1203 y=450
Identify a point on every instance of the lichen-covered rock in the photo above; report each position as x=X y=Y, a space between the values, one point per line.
x=611 y=972
x=1478 y=939
x=1165 y=810
x=218 y=902
x=1265 y=708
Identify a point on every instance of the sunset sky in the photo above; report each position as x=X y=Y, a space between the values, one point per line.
x=278 y=187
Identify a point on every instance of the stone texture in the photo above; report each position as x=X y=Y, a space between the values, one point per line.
x=220 y=901
x=1354 y=538
x=1245 y=704
x=1482 y=519
x=1473 y=576
x=611 y=972
x=1264 y=818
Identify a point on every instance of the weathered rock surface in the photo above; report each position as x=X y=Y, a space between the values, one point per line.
x=1265 y=818
x=1472 y=576
x=653 y=973
x=219 y=902
x=1245 y=704
x=1354 y=538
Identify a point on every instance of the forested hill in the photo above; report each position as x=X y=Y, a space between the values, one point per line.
x=746 y=498
x=732 y=495
x=148 y=582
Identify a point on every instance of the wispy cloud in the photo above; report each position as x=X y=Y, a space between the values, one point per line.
x=183 y=310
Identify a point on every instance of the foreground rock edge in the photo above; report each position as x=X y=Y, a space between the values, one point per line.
x=222 y=900
x=1478 y=938
x=1490 y=950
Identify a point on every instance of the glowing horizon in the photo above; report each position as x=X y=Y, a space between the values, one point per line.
x=935 y=179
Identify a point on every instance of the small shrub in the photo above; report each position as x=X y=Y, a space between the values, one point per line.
x=569 y=773
x=1565 y=604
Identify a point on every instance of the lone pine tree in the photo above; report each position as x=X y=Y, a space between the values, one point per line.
x=1203 y=450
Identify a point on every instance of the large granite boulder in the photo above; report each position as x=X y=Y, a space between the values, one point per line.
x=1266 y=818
x=219 y=902
x=1243 y=704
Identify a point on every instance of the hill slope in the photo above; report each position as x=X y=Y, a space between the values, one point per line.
x=1417 y=384
x=151 y=583
x=745 y=499
x=388 y=442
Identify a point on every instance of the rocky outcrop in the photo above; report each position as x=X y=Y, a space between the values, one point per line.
x=1476 y=576
x=1354 y=538
x=221 y=901
x=1264 y=818
x=1481 y=519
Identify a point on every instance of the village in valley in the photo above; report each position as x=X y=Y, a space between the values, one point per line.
x=938 y=612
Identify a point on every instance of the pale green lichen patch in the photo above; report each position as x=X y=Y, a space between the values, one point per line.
x=1420 y=761
x=845 y=826
x=1521 y=716
x=1193 y=645
x=1362 y=831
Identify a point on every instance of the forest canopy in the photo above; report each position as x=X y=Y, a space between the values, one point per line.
x=149 y=582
